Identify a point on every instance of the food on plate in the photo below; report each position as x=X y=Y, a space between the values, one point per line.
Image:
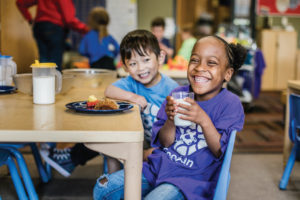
x=92 y=101
x=106 y=104
x=102 y=104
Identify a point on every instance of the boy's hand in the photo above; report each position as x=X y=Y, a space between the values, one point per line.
x=170 y=108
x=169 y=51
x=193 y=112
x=140 y=100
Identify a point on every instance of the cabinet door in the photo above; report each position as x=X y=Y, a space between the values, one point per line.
x=286 y=58
x=268 y=47
x=16 y=36
x=298 y=65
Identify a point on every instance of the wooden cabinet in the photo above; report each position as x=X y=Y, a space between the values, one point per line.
x=280 y=50
x=16 y=38
x=298 y=65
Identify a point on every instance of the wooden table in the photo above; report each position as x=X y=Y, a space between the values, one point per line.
x=293 y=88
x=117 y=135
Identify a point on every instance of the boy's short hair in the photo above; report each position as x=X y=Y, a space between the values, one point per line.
x=141 y=41
x=158 y=21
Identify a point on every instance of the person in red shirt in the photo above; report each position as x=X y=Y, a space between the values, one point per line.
x=50 y=26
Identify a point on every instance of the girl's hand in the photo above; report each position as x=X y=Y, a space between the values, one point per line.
x=140 y=100
x=193 y=112
x=170 y=108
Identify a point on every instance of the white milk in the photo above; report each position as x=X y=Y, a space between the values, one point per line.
x=177 y=120
x=44 y=89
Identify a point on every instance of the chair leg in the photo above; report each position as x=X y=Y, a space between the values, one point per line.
x=16 y=178
x=227 y=185
x=288 y=169
x=24 y=172
x=44 y=171
x=105 y=168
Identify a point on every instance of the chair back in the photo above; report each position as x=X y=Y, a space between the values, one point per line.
x=224 y=177
x=294 y=126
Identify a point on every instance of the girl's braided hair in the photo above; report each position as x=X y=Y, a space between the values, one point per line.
x=236 y=53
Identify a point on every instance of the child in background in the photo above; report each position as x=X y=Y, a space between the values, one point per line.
x=100 y=47
x=188 y=43
x=170 y=172
x=144 y=86
x=158 y=28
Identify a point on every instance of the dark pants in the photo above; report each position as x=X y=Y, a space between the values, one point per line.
x=105 y=62
x=81 y=154
x=50 y=40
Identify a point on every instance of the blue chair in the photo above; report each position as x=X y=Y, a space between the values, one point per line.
x=224 y=177
x=294 y=133
x=6 y=159
x=23 y=170
x=44 y=171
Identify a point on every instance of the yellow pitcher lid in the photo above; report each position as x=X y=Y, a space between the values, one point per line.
x=43 y=65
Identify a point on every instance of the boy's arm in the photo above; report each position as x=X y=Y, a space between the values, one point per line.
x=120 y=94
x=169 y=51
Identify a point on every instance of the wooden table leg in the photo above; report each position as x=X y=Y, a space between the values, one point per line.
x=131 y=153
x=287 y=143
x=133 y=171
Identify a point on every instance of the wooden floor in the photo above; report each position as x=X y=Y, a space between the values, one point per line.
x=264 y=125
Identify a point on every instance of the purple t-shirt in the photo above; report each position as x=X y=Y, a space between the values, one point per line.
x=188 y=163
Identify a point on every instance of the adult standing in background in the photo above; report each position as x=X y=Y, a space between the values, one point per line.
x=50 y=26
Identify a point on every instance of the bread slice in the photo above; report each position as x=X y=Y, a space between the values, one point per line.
x=106 y=104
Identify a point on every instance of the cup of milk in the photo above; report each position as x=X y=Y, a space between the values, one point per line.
x=46 y=82
x=179 y=97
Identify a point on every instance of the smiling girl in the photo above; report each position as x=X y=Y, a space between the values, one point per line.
x=193 y=168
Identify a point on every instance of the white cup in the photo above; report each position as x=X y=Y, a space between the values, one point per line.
x=179 y=98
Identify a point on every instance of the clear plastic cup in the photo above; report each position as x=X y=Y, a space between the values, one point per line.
x=179 y=97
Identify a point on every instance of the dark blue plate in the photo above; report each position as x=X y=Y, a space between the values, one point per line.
x=5 y=89
x=80 y=106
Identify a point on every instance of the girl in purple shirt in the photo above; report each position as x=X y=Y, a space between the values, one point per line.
x=187 y=160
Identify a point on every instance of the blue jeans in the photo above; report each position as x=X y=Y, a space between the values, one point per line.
x=113 y=189
x=50 y=40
